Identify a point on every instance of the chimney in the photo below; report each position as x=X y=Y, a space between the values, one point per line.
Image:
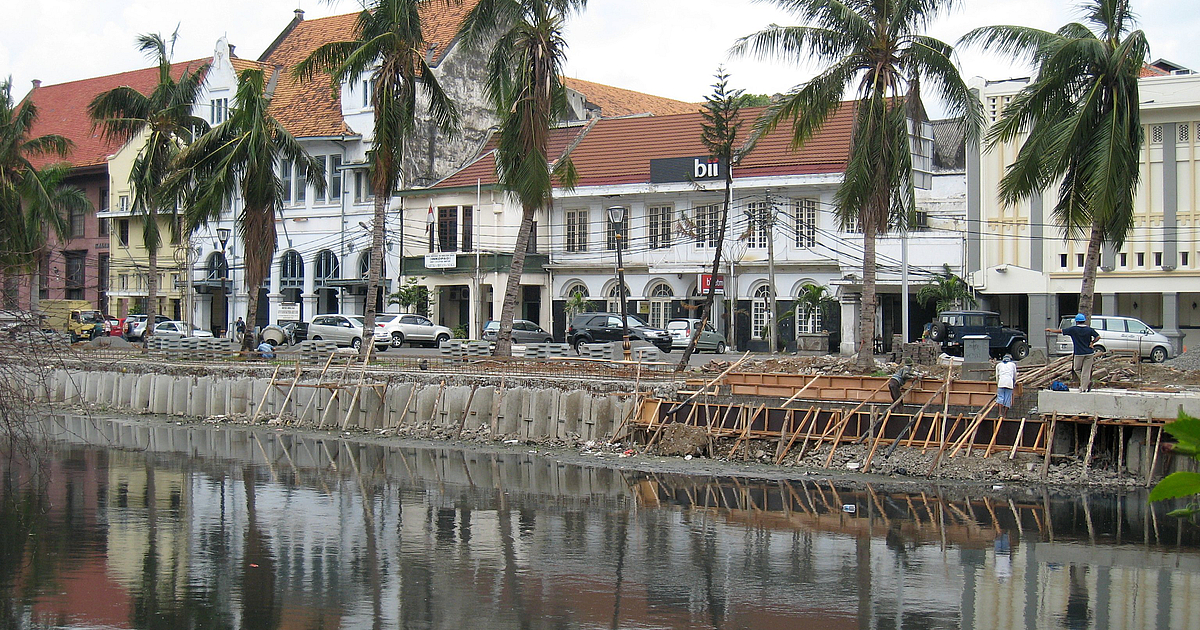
x=37 y=83
x=299 y=15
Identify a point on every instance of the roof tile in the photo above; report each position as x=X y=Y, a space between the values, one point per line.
x=614 y=101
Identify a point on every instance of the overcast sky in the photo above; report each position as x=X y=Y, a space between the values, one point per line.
x=664 y=47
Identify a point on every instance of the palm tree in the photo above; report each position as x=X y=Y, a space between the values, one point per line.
x=389 y=46
x=524 y=85
x=812 y=300
x=1084 y=124
x=719 y=133
x=165 y=118
x=875 y=48
x=946 y=290
x=31 y=199
x=238 y=156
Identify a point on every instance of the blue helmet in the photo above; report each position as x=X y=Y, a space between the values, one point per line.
x=1080 y=318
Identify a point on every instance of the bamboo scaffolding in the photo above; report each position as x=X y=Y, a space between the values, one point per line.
x=316 y=394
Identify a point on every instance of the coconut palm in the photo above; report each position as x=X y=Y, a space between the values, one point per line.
x=874 y=48
x=164 y=117
x=946 y=290
x=31 y=199
x=238 y=156
x=524 y=85
x=390 y=47
x=1083 y=121
x=719 y=133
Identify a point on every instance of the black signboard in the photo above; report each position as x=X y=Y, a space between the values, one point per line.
x=689 y=169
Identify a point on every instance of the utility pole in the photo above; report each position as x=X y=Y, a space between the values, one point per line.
x=768 y=221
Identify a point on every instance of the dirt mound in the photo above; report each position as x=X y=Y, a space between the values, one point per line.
x=109 y=342
x=680 y=439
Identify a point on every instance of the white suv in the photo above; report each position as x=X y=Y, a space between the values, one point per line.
x=413 y=330
x=1121 y=333
x=345 y=330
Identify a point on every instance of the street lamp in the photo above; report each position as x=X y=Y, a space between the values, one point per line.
x=616 y=216
x=223 y=237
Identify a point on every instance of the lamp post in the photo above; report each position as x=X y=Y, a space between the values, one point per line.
x=223 y=237
x=616 y=216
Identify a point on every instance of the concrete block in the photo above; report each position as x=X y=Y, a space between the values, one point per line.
x=512 y=405
x=181 y=390
x=125 y=385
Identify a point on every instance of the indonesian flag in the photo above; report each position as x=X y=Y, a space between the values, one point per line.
x=429 y=225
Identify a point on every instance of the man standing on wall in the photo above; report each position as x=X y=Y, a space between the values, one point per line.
x=1083 y=337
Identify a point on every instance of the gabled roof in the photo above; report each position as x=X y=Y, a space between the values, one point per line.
x=311 y=109
x=614 y=101
x=62 y=110
x=614 y=151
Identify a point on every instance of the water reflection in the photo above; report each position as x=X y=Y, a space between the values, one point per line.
x=126 y=525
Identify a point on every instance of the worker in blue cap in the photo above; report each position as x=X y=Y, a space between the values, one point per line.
x=1083 y=338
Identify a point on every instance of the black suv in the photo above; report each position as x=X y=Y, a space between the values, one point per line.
x=606 y=327
x=951 y=326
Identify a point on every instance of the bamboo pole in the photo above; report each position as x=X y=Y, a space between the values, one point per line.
x=803 y=421
x=279 y=417
x=802 y=389
x=466 y=412
x=808 y=435
x=841 y=424
x=746 y=430
x=1087 y=458
x=1154 y=461
x=266 y=393
x=317 y=390
x=972 y=427
x=937 y=457
x=437 y=403
x=916 y=417
x=334 y=396
x=1049 y=444
x=404 y=414
x=995 y=433
x=362 y=375
x=709 y=384
x=875 y=443
x=1017 y=442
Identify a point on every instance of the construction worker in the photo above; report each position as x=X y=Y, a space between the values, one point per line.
x=1006 y=380
x=1083 y=338
x=897 y=380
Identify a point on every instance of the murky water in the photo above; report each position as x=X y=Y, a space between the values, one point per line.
x=130 y=526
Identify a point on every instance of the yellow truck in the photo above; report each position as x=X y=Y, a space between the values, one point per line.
x=76 y=318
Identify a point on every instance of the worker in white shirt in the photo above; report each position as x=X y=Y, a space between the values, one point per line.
x=1006 y=380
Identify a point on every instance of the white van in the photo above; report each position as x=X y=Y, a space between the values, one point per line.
x=1121 y=333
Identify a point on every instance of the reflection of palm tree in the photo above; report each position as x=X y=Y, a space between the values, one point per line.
x=259 y=607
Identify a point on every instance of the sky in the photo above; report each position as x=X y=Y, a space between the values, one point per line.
x=668 y=48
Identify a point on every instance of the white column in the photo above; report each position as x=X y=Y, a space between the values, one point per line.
x=850 y=312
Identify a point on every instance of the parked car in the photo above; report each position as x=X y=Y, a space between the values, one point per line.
x=682 y=328
x=1121 y=333
x=951 y=326
x=112 y=326
x=606 y=327
x=175 y=329
x=135 y=326
x=413 y=329
x=345 y=330
x=523 y=331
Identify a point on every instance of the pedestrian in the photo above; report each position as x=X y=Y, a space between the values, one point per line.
x=266 y=350
x=1006 y=380
x=897 y=380
x=1083 y=338
x=240 y=328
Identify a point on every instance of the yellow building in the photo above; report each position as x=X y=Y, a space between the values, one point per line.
x=130 y=260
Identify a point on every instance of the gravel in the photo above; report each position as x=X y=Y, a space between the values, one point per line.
x=1185 y=361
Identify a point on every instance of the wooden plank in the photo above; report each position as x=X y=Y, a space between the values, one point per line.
x=266 y=393
x=798 y=430
x=320 y=379
x=1049 y=444
x=1087 y=459
x=466 y=412
x=1017 y=442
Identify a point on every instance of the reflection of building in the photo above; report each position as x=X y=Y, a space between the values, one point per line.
x=370 y=535
x=1019 y=259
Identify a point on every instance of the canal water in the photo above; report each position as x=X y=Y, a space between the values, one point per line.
x=131 y=525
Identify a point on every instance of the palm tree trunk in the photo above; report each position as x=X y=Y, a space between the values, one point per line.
x=1087 y=290
x=151 y=291
x=507 y=310
x=706 y=309
x=374 y=273
x=866 y=315
x=248 y=339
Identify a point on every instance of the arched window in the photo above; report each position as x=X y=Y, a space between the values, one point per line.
x=613 y=304
x=218 y=267
x=760 y=314
x=660 y=296
x=328 y=267
x=291 y=271
x=577 y=288
x=364 y=265
x=808 y=319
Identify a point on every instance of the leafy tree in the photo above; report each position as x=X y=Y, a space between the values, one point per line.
x=755 y=100
x=576 y=304
x=164 y=117
x=525 y=87
x=719 y=133
x=1186 y=430
x=31 y=199
x=946 y=290
x=238 y=156
x=1083 y=121
x=875 y=48
x=389 y=46
x=412 y=296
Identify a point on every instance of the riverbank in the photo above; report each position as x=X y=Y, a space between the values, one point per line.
x=905 y=469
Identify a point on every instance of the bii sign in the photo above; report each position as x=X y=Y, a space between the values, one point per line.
x=690 y=169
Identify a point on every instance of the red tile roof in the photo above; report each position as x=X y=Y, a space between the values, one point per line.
x=62 y=109
x=483 y=168
x=614 y=101
x=618 y=150
x=310 y=109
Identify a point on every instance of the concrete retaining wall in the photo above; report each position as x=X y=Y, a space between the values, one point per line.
x=527 y=413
